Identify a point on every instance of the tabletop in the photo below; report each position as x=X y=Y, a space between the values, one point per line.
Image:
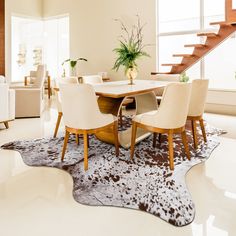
x=119 y=89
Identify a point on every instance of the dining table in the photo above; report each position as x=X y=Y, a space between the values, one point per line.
x=111 y=96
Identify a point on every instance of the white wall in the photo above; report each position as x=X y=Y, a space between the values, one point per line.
x=94 y=33
x=31 y=8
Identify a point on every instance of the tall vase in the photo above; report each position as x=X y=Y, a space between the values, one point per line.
x=131 y=74
x=73 y=71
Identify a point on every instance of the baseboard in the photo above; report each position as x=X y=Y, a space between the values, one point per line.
x=221 y=109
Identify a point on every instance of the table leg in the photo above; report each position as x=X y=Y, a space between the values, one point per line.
x=144 y=103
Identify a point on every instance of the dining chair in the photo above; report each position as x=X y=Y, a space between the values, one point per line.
x=164 y=77
x=196 y=107
x=97 y=79
x=82 y=116
x=92 y=79
x=170 y=118
x=67 y=80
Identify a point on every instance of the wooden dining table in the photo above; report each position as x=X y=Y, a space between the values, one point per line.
x=111 y=96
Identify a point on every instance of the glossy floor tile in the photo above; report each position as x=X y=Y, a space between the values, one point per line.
x=38 y=200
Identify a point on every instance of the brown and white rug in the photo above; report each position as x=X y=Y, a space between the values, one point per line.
x=145 y=184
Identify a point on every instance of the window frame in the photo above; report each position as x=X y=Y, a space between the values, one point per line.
x=186 y=32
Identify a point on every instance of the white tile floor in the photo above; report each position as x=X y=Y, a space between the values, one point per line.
x=38 y=201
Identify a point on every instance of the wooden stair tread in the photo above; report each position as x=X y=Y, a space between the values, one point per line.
x=223 y=23
x=183 y=55
x=160 y=73
x=172 y=64
x=195 y=45
x=207 y=34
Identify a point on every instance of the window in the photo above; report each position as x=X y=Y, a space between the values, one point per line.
x=178 y=25
x=39 y=42
x=56 y=44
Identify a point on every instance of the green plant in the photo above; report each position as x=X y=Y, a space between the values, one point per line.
x=73 y=63
x=131 y=46
x=184 y=77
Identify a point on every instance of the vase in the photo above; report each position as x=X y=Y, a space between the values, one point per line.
x=131 y=74
x=73 y=71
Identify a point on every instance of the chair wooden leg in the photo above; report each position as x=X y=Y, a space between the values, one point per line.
x=6 y=124
x=171 y=149
x=194 y=129
x=120 y=118
x=203 y=130
x=160 y=138
x=154 y=140
x=185 y=142
x=133 y=139
x=115 y=131
x=57 y=124
x=88 y=140
x=85 y=150
x=77 y=139
x=65 y=144
x=49 y=87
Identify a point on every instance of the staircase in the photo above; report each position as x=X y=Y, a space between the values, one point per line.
x=226 y=28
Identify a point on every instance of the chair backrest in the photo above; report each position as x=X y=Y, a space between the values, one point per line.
x=173 y=110
x=92 y=79
x=198 y=97
x=58 y=101
x=79 y=106
x=69 y=80
x=64 y=80
x=165 y=77
x=40 y=76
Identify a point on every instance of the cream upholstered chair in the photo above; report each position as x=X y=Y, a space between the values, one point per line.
x=7 y=103
x=67 y=80
x=170 y=118
x=29 y=99
x=196 y=107
x=92 y=79
x=30 y=79
x=97 y=79
x=164 y=77
x=59 y=110
x=82 y=117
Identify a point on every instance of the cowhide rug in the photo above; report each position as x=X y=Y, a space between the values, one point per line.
x=146 y=183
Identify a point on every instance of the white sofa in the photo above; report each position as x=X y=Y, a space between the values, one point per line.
x=30 y=99
x=7 y=103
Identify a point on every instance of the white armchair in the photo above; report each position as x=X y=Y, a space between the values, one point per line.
x=32 y=77
x=29 y=99
x=7 y=104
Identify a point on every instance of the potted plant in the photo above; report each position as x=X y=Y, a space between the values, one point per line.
x=184 y=78
x=130 y=49
x=73 y=64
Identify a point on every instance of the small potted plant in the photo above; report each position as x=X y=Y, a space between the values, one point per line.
x=73 y=64
x=130 y=49
x=184 y=78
